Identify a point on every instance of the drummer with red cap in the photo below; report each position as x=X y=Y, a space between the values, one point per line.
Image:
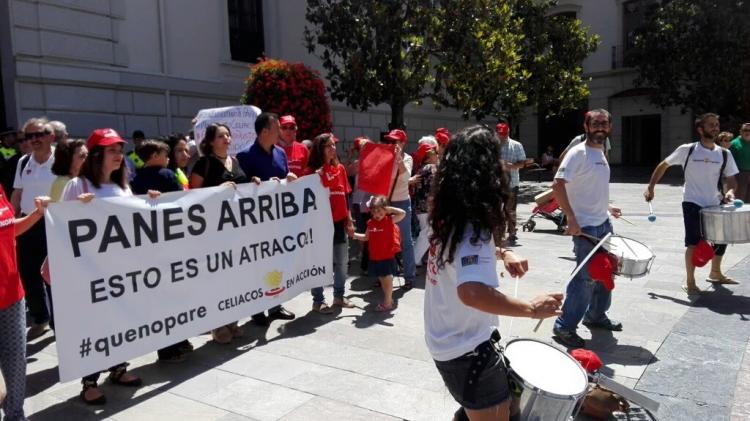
x=296 y=153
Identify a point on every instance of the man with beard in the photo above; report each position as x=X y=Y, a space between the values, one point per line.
x=581 y=188
x=704 y=164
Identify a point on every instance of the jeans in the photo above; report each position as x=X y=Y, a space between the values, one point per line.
x=584 y=296
x=407 y=246
x=340 y=264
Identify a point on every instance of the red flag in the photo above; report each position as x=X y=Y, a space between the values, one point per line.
x=376 y=162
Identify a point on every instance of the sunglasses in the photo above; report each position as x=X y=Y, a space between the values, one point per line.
x=35 y=135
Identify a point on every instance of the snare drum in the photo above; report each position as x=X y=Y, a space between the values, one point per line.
x=547 y=383
x=634 y=259
x=726 y=224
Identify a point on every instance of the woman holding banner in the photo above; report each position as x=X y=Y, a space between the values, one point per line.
x=102 y=175
x=214 y=168
x=13 y=306
x=324 y=161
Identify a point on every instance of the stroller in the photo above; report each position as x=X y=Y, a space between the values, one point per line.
x=547 y=208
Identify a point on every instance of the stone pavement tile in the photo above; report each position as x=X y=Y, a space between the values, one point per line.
x=170 y=407
x=249 y=397
x=269 y=367
x=695 y=368
x=741 y=405
x=717 y=315
x=321 y=409
x=396 y=368
x=676 y=409
x=203 y=384
x=376 y=394
x=234 y=417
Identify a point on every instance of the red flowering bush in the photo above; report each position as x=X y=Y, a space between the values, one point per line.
x=290 y=88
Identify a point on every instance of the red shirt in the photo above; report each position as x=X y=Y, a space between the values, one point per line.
x=334 y=177
x=296 y=158
x=11 y=290
x=383 y=238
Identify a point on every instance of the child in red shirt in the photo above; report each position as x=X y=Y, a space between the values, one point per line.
x=383 y=242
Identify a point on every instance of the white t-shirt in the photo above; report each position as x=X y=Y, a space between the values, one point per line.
x=35 y=181
x=581 y=138
x=401 y=192
x=75 y=188
x=586 y=174
x=702 y=173
x=451 y=327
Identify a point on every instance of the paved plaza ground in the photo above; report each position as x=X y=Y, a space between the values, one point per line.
x=692 y=356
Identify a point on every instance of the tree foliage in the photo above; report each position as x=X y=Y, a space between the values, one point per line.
x=696 y=54
x=483 y=57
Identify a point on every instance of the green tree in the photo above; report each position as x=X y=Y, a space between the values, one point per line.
x=483 y=57
x=696 y=54
x=374 y=52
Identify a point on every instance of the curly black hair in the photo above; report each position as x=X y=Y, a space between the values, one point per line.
x=469 y=187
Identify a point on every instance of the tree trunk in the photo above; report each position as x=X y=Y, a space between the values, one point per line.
x=397 y=115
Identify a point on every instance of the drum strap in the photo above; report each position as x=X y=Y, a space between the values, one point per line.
x=723 y=164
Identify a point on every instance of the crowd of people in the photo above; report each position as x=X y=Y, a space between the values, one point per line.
x=451 y=208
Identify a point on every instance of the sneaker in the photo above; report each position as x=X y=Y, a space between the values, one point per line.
x=606 y=325
x=172 y=359
x=568 y=338
x=261 y=319
x=36 y=330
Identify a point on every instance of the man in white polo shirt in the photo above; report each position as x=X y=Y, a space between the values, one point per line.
x=34 y=178
x=582 y=189
x=704 y=164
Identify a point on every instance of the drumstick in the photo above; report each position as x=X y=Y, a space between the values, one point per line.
x=580 y=266
x=515 y=295
x=651 y=216
x=626 y=220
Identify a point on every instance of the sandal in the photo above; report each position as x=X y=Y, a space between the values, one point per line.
x=322 y=308
x=342 y=302
x=721 y=279
x=88 y=385
x=222 y=335
x=116 y=378
x=382 y=308
x=692 y=291
x=237 y=331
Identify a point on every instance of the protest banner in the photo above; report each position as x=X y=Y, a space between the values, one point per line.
x=131 y=274
x=241 y=122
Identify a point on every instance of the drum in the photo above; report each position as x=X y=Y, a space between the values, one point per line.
x=726 y=224
x=634 y=259
x=546 y=382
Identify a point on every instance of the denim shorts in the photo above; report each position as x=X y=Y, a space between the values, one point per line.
x=477 y=380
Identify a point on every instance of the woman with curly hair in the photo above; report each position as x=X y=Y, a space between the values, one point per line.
x=462 y=303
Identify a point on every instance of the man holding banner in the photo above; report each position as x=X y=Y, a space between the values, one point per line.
x=265 y=161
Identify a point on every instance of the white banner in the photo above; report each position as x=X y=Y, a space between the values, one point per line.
x=131 y=275
x=241 y=122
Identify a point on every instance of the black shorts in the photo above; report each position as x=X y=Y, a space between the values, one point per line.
x=382 y=268
x=691 y=216
x=477 y=380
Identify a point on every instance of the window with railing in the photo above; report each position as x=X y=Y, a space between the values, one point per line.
x=246 y=41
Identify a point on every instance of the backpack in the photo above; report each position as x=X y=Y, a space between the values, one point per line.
x=23 y=162
x=724 y=154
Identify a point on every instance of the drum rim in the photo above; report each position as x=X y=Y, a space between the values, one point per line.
x=537 y=389
x=653 y=255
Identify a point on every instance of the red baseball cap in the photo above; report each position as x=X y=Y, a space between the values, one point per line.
x=443 y=136
x=421 y=152
x=359 y=142
x=396 y=135
x=103 y=137
x=287 y=119
x=502 y=129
